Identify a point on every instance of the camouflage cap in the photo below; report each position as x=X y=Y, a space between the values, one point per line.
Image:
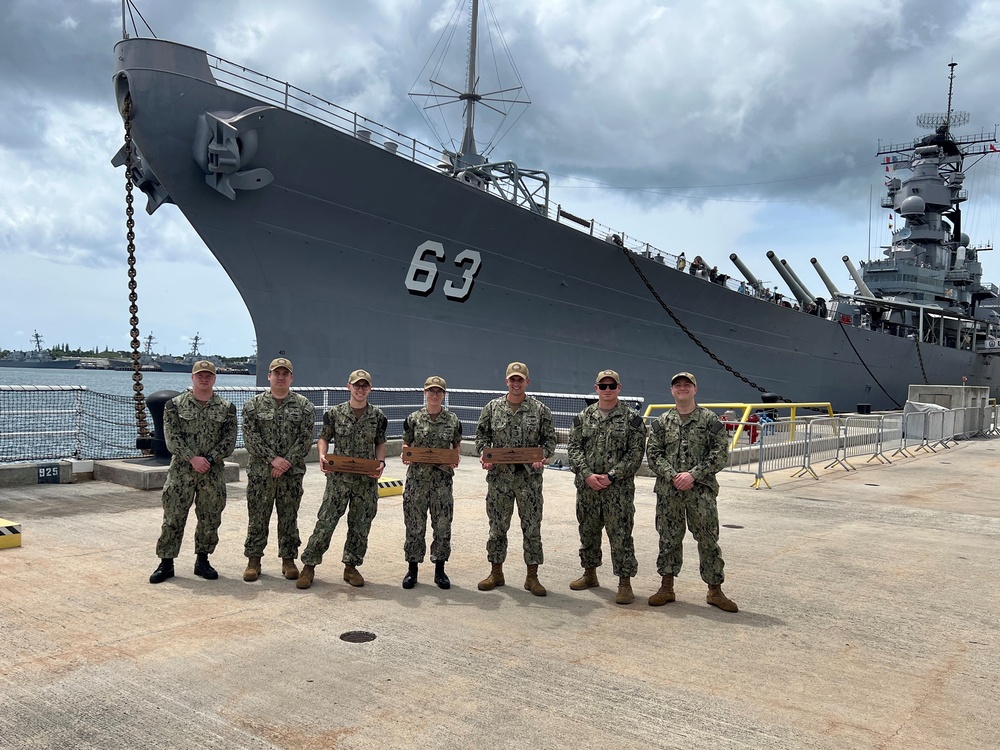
x=435 y=381
x=607 y=374
x=203 y=365
x=517 y=368
x=686 y=375
x=357 y=375
x=280 y=362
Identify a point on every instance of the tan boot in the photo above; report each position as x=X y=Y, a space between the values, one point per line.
x=717 y=599
x=587 y=581
x=306 y=577
x=494 y=579
x=625 y=595
x=288 y=569
x=665 y=594
x=252 y=573
x=353 y=577
x=531 y=582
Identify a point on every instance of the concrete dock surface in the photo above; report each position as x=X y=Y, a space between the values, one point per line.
x=868 y=618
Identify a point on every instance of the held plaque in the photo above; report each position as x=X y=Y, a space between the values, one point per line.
x=513 y=455
x=447 y=456
x=351 y=465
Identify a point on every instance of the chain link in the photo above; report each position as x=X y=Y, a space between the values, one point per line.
x=687 y=331
x=920 y=357
x=133 y=298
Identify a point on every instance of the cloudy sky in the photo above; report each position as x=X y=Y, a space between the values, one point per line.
x=708 y=126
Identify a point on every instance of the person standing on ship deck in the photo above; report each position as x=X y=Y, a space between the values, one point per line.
x=200 y=431
x=687 y=448
x=515 y=420
x=429 y=486
x=606 y=445
x=355 y=428
x=278 y=432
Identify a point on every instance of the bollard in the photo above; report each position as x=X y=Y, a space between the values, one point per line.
x=864 y=408
x=156 y=403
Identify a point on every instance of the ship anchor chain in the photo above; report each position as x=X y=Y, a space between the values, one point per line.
x=133 y=308
x=687 y=331
x=920 y=357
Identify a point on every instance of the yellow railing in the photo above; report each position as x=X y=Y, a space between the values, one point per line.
x=745 y=410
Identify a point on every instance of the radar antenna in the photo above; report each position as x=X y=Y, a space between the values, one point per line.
x=949 y=119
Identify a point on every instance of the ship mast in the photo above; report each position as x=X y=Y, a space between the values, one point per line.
x=470 y=156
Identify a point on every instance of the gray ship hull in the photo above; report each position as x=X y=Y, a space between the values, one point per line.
x=321 y=257
x=54 y=364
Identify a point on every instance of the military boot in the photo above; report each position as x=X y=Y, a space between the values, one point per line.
x=353 y=577
x=252 y=573
x=440 y=577
x=164 y=571
x=716 y=598
x=586 y=581
x=531 y=582
x=288 y=569
x=494 y=579
x=203 y=568
x=306 y=577
x=410 y=579
x=625 y=595
x=665 y=594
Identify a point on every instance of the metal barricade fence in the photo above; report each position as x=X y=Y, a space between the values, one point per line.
x=863 y=437
x=824 y=440
x=893 y=435
x=778 y=445
x=993 y=418
x=50 y=422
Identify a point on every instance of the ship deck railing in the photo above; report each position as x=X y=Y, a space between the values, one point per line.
x=39 y=423
x=283 y=94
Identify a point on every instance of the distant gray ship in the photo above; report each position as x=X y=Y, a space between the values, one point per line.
x=353 y=245
x=38 y=357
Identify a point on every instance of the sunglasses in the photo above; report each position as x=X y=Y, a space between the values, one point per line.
x=606 y=386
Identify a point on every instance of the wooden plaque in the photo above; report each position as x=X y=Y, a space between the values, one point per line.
x=351 y=465
x=513 y=455
x=447 y=456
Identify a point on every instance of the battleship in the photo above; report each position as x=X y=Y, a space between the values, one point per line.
x=38 y=357
x=354 y=245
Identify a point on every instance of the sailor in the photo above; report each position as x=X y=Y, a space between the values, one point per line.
x=278 y=433
x=681 y=262
x=515 y=420
x=429 y=486
x=606 y=444
x=200 y=431
x=687 y=448
x=354 y=428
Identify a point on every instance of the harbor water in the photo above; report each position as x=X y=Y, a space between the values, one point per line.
x=112 y=382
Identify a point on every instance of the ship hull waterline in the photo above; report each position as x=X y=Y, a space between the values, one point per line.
x=321 y=257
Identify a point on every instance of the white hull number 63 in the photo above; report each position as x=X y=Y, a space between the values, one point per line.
x=422 y=274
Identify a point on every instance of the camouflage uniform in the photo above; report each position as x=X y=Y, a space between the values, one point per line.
x=501 y=427
x=195 y=429
x=273 y=428
x=612 y=445
x=429 y=486
x=357 y=437
x=699 y=446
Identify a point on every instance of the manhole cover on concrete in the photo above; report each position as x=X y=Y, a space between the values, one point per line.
x=357 y=636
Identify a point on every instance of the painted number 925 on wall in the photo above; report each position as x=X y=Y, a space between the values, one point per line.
x=422 y=274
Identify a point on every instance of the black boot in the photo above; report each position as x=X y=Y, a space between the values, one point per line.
x=440 y=578
x=410 y=579
x=203 y=568
x=164 y=571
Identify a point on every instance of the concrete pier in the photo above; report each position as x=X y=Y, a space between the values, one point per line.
x=869 y=606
